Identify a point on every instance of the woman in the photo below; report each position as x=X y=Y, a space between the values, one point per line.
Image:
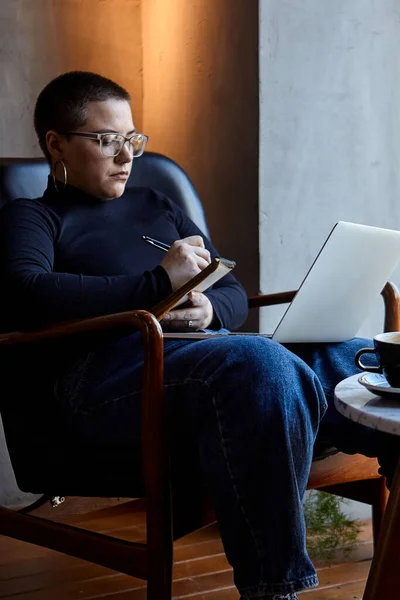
x=253 y=407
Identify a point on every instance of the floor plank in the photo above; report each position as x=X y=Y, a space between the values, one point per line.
x=346 y=591
x=201 y=571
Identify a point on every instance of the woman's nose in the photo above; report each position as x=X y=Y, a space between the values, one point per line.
x=126 y=154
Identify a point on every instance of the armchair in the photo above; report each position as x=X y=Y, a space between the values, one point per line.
x=93 y=471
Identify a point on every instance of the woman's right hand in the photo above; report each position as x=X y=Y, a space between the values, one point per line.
x=185 y=259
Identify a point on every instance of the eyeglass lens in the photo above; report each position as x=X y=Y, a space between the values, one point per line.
x=112 y=144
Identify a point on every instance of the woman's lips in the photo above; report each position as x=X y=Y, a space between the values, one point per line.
x=122 y=176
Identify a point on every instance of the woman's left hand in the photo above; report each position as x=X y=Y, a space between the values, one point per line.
x=197 y=314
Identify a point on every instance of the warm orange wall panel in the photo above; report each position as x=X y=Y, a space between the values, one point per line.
x=43 y=38
x=200 y=106
x=102 y=36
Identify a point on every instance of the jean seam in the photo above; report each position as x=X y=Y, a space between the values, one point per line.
x=290 y=587
x=136 y=392
x=234 y=483
x=107 y=402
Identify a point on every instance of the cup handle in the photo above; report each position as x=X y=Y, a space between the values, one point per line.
x=360 y=365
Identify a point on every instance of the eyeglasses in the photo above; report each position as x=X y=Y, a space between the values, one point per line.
x=111 y=144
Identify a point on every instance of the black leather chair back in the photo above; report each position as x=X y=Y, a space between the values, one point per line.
x=27 y=178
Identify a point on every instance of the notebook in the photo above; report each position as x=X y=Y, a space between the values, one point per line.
x=338 y=292
x=218 y=268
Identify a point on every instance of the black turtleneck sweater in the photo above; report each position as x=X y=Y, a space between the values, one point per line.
x=69 y=255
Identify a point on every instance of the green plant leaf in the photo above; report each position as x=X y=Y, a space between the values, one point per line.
x=328 y=528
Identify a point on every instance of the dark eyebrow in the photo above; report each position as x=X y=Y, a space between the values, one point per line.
x=113 y=131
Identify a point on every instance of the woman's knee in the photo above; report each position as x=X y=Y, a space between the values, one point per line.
x=267 y=372
x=250 y=357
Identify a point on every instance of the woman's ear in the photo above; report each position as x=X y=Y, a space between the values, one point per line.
x=54 y=142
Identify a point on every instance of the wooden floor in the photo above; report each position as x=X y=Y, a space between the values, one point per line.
x=201 y=571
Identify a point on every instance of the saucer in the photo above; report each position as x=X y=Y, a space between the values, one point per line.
x=378 y=384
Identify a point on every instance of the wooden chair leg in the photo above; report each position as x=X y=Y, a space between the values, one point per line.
x=159 y=586
x=159 y=546
x=160 y=561
x=378 y=508
x=384 y=576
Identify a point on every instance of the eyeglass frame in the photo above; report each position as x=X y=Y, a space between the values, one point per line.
x=99 y=137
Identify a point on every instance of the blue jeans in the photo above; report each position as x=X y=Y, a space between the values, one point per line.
x=253 y=409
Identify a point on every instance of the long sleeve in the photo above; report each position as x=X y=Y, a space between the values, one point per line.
x=72 y=256
x=33 y=293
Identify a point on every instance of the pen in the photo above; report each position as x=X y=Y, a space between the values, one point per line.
x=156 y=243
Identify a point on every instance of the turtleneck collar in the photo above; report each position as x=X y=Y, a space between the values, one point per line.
x=68 y=193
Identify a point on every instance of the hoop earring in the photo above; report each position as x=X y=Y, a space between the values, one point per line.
x=54 y=174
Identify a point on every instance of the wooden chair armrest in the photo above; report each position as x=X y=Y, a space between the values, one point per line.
x=391 y=299
x=270 y=299
x=122 y=323
x=390 y=293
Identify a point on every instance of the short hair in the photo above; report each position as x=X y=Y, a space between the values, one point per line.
x=62 y=104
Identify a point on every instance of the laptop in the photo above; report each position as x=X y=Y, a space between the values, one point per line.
x=340 y=289
x=344 y=281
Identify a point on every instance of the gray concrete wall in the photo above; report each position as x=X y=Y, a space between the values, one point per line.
x=329 y=134
x=329 y=130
